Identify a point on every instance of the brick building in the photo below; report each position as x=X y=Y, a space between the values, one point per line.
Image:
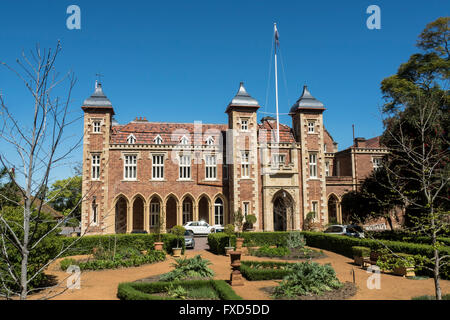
x=137 y=173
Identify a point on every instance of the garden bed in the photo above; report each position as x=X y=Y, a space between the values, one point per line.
x=345 y=292
x=264 y=270
x=301 y=253
x=177 y=290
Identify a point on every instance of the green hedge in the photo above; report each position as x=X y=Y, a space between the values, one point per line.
x=150 y=257
x=335 y=243
x=218 y=241
x=144 y=290
x=85 y=244
x=264 y=270
x=404 y=236
x=343 y=245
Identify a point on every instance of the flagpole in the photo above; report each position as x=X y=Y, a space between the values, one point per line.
x=276 y=84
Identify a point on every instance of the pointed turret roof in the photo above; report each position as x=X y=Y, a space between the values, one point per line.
x=243 y=99
x=306 y=101
x=98 y=98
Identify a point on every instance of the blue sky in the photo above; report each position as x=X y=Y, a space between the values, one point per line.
x=180 y=61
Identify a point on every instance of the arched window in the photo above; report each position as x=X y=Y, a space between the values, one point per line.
x=218 y=211
x=210 y=141
x=154 y=212
x=158 y=139
x=184 y=140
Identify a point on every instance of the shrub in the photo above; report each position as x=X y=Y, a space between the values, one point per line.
x=264 y=270
x=392 y=261
x=144 y=290
x=308 y=278
x=266 y=251
x=360 y=251
x=185 y=268
x=85 y=244
x=444 y=297
x=179 y=232
x=133 y=261
x=295 y=240
x=38 y=257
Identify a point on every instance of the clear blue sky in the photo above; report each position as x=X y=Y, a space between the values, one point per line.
x=180 y=61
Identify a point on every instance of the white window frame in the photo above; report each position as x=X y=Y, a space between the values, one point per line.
x=278 y=159
x=311 y=126
x=184 y=140
x=95 y=163
x=96 y=126
x=218 y=212
x=155 y=208
x=157 y=167
x=244 y=124
x=184 y=167
x=210 y=167
x=130 y=167
x=313 y=165
x=245 y=164
x=327 y=168
x=376 y=163
x=210 y=141
x=158 y=139
x=246 y=208
x=324 y=147
x=131 y=139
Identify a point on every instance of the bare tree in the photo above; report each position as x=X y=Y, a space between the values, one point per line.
x=418 y=169
x=40 y=145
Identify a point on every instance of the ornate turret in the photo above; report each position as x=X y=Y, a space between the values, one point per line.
x=306 y=101
x=242 y=99
x=97 y=100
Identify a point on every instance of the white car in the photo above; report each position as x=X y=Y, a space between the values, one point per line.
x=200 y=227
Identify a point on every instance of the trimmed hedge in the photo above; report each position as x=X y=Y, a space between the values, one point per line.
x=360 y=251
x=144 y=290
x=150 y=257
x=218 y=241
x=85 y=244
x=335 y=243
x=400 y=235
x=343 y=245
x=251 y=272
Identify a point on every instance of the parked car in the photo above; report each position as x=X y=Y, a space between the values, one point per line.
x=189 y=240
x=346 y=230
x=217 y=228
x=198 y=227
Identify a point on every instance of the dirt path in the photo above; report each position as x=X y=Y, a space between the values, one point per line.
x=102 y=285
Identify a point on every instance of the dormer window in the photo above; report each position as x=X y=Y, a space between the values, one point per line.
x=158 y=139
x=131 y=139
x=210 y=141
x=184 y=140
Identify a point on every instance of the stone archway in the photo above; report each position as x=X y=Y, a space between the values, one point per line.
x=333 y=209
x=171 y=213
x=121 y=216
x=283 y=211
x=138 y=214
x=203 y=209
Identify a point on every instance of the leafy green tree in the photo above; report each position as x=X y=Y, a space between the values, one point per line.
x=65 y=196
x=9 y=192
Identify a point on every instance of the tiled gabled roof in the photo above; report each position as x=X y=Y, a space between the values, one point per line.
x=286 y=135
x=171 y=133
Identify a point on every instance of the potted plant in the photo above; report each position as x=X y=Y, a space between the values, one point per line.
x=360 y=254
x=229 y=231
x=179 y=232
x=239 y=222
x=159 y=245
x=249 y=221
x=404 y=265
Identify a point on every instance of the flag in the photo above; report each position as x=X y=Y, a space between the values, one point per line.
x=277 y=42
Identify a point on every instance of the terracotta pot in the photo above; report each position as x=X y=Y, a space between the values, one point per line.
x=228 y=250
x=176 y=252
x=159 y=246
x=404 y=271
x=235 y=259
x=239 y=242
